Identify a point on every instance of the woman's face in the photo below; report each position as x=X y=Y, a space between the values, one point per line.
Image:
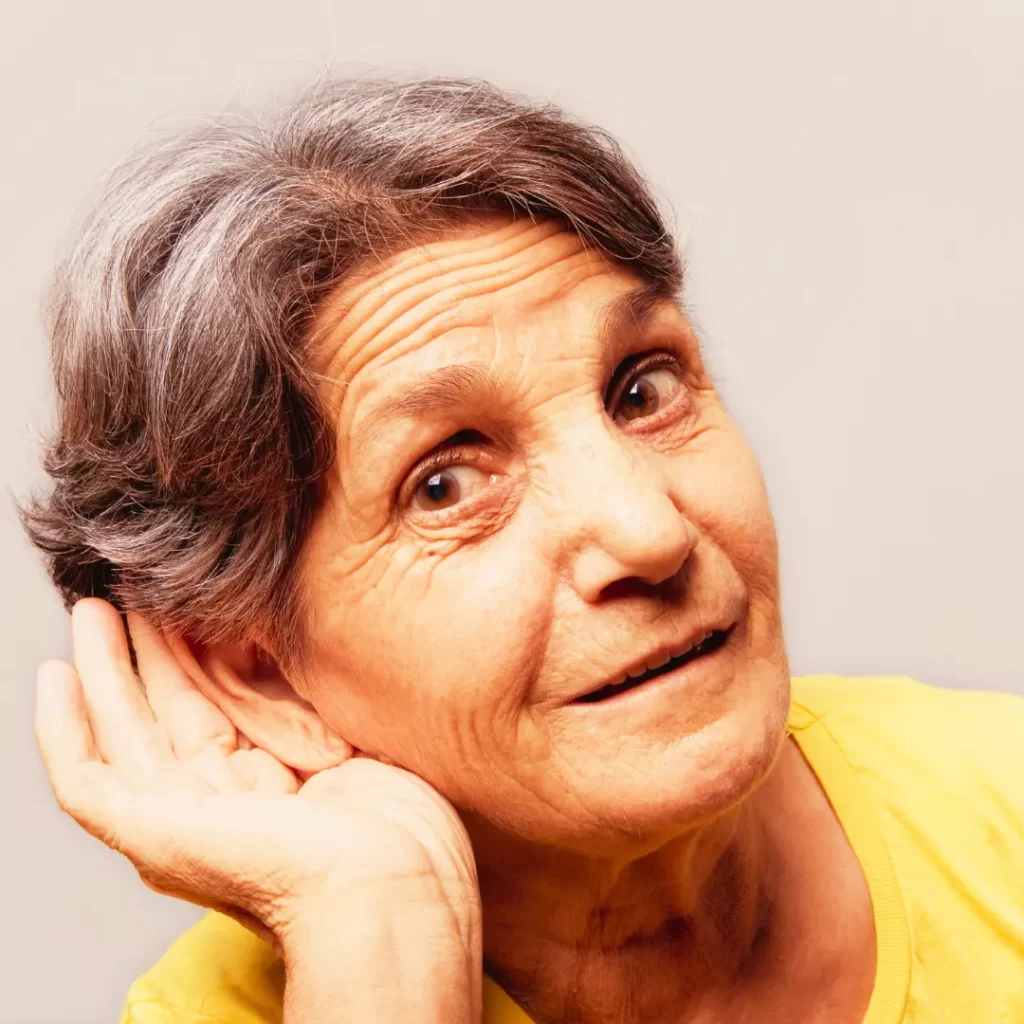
x=538 y=491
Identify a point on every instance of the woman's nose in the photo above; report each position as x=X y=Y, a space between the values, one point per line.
x=622 y=522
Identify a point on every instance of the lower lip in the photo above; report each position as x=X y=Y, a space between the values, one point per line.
x=693 y=674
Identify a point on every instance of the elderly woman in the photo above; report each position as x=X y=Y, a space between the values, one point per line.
x=454 y=681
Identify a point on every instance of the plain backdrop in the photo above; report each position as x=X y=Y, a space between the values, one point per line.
x=848 y=180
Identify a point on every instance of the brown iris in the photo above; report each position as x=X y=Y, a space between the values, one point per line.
x=646 y=392
x=439 y=490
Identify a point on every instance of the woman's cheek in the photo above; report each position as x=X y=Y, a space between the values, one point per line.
x=482 y=619
x=720 y=486
x=444 y=632
x=467 y=634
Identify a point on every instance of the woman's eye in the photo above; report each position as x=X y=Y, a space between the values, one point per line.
x=646 y=392
x=446 y=487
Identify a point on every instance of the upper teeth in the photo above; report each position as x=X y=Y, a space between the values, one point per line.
x=663 y=659
x=658 y=662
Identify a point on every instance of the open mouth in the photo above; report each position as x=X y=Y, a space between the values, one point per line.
x=713 y=642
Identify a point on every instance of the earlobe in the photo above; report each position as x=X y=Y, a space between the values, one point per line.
x=248 y=687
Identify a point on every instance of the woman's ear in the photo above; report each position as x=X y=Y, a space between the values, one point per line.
x=250 y=689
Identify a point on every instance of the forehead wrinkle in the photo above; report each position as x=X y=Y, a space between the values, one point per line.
x=408 y=311
x=438 y=313
x=464 y=249
x=385 y=297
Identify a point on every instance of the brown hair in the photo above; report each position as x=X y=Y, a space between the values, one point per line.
x=190 y=448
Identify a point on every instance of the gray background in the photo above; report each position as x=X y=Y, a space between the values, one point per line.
x=849 y=179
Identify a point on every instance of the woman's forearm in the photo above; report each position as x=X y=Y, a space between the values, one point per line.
x=364 y=962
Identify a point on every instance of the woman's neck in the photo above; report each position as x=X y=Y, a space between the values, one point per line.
x=726 y=916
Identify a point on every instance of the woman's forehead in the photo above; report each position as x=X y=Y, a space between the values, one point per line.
x=508 y=272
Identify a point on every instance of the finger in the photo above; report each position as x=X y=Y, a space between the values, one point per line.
x=211 y=765
x=84 y=786
x=179 y=838
x=260 y=772
x=61 y=723
x=191 y=721
x=123 y=727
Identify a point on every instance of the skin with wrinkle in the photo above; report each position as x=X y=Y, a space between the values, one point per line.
x=453 y=641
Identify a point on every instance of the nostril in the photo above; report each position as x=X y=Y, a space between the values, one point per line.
x=630 y=586
x=670 y=590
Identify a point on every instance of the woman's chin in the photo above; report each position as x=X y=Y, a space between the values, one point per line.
x=651 y=791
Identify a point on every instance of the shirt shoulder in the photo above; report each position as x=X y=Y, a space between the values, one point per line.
x=938 y=775
x=944 y=767
x=883 y=717
x=216 y=972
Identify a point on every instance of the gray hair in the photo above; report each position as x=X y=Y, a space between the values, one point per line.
x=191 y=446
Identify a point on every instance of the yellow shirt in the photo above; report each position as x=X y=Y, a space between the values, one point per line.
x=929 y=786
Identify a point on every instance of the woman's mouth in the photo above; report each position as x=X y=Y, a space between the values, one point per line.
x=714 y=641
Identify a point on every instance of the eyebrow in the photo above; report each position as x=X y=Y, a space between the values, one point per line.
x=630 y=310
x=443 y=390
x=449 y=388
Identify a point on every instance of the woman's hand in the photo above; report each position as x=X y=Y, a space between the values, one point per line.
x=159 y=774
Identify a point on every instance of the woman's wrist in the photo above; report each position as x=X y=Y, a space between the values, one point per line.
x=366 y=957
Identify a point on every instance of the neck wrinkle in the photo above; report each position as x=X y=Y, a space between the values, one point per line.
x=596 y=939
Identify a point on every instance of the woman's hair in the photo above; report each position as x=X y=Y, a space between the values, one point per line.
x=191 y=445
